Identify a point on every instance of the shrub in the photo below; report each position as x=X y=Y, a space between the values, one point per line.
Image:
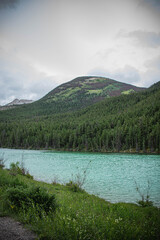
x=78 y=180
x=28 y=175
x=8 y=181
x=16 y=169
x=144 y=202
x=2 y=162
x=25 y=198
x=74 y=187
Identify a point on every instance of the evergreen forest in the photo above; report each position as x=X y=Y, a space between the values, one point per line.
x=125 y=123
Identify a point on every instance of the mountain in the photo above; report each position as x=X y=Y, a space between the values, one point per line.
x=128 y=122
x=71 y=96
x=14 y=103
x=74 y=95
x=19 y=102
x=95 y=88
x=85 y=91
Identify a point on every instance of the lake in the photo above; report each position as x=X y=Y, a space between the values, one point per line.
x=110 y=176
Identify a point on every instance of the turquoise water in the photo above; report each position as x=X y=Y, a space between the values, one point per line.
x=109 y=176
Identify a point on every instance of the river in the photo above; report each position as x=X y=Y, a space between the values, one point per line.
x=113 y=177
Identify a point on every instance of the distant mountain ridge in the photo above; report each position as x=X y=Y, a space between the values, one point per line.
x=85 y=91
x=14 y=103
x=19 y=102
x=74 y=95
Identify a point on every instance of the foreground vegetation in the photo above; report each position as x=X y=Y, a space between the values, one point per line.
x=60 y=212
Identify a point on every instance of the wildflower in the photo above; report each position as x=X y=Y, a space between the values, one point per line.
x=118 y=220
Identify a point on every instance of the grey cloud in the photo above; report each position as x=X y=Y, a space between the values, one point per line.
x=143 y=38
x=10 y=88
x=131 y=75
x=147 y=39
x=153 y=3
x=8 y=3
x=105 y=53
x=128 y=74
x=14 y=87
x=23 y=84
x=153 y=63
x=99 y=72
x=152 y=74
x=61 y=38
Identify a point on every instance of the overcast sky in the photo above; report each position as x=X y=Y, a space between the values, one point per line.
x=44 y=43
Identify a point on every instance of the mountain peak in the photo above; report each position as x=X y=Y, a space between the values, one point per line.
x=17 y=101
x=90 y=89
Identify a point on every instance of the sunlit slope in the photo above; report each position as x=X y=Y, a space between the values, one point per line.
x=84 y=91
x=71 y=96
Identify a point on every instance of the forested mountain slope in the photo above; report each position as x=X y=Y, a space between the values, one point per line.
x=71 y=96
x=123 y=123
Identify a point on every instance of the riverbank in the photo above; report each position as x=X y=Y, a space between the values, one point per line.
x=127 y=151
x=78 y=215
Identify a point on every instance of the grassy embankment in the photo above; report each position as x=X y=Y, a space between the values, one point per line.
x=68 y=213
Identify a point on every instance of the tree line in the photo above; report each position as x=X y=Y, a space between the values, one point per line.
x=125 y=123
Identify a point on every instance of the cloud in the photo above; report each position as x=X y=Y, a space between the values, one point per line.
x=8 y=4
x=146 y=39
x=46 y=43
x=16 y=87
x=152 y=74
x=142 y=38
x=150 y=3
x=131 y=75
x=153 y=63
x=19 y=79
x=128 y=74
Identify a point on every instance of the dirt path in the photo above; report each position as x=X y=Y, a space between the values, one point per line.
x=13 y=230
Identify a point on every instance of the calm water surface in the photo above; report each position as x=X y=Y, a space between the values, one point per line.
x=110 y=176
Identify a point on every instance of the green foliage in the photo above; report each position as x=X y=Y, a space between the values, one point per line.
x=145 y=200
x=19 y=197
x=74 y=186
x=80 y=215
x=10 y=181
x=16 y=169
x=145 y=203
x=125 y=123
x=2 y=162
x=78 y=180
x=128 y=91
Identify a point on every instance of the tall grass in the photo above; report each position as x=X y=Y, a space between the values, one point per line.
x=78 y=215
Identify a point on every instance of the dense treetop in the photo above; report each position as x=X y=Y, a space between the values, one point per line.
x=128 y=122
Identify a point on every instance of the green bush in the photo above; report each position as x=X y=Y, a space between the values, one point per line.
x=28 y=175
x=144 y=203
x=74 y=187
x=16 y=169
x=20 y=197
x=2 y=165
x=10 y=181
x=145 y=200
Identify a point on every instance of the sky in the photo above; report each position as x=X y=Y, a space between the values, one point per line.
x=44 y=43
